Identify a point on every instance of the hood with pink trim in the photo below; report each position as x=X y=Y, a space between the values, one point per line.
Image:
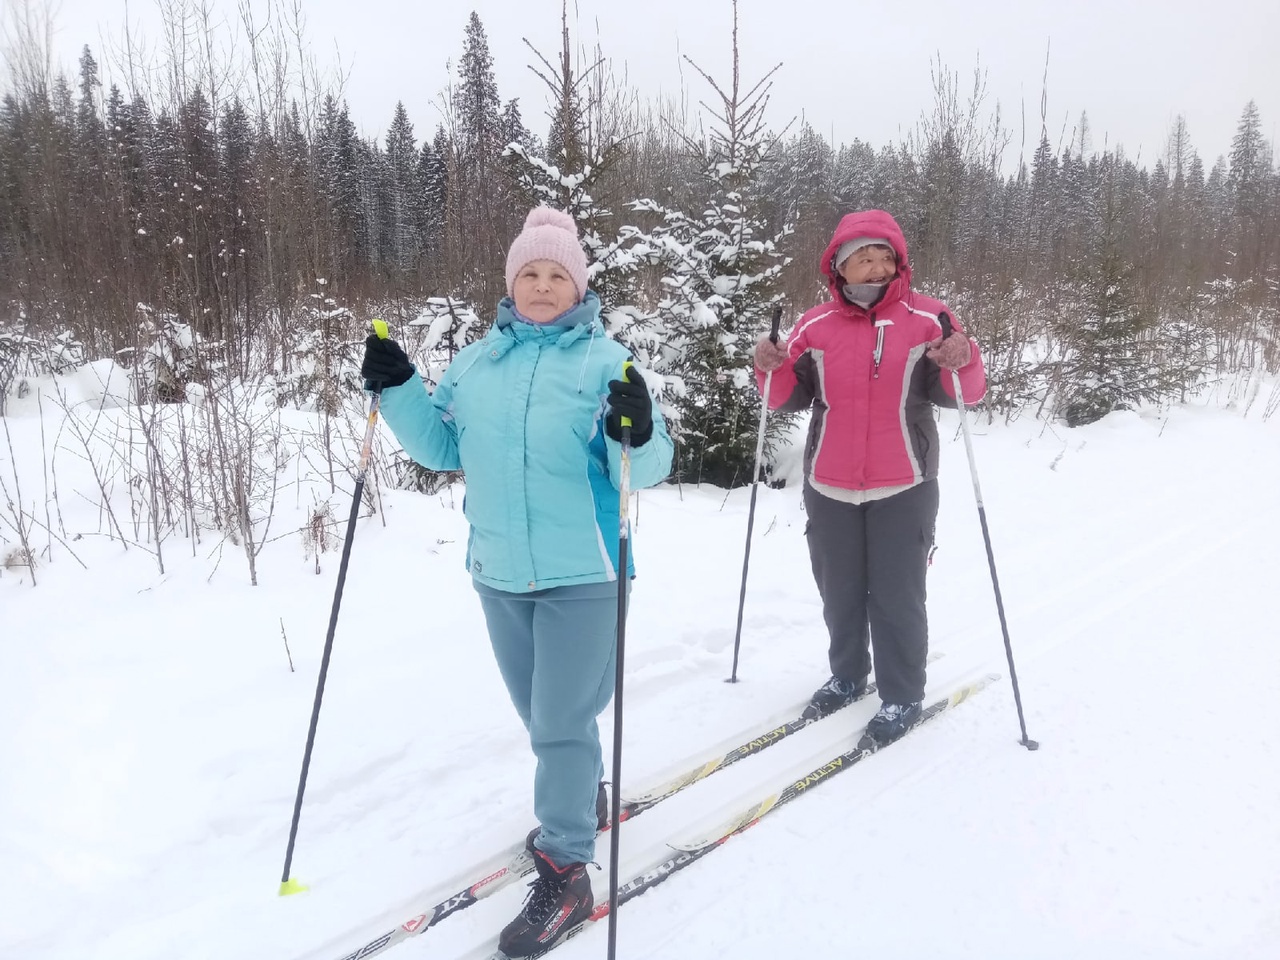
x=868 y=223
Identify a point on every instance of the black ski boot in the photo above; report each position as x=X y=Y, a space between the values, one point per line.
x=833 y=695
x=892 y=721
x=559 y=899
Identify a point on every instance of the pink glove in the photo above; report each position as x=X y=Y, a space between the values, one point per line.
x=769 y=355
x=952 y=353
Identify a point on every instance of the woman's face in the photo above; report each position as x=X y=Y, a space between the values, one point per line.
x=871 y=264
x=543 y=290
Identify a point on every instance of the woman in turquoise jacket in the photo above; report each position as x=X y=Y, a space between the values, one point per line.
x=531 y=414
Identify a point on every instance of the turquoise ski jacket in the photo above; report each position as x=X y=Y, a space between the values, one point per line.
x=521 y=413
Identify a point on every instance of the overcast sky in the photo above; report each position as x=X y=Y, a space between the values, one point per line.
x=852 y=69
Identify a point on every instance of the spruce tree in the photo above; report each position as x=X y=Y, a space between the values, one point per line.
x=1117 y=351
x=719 y=270
x=854 y=176
x=404 y=214
x=571 y=173
x=480 y=226
x=341 y=181
x=433 y=179
x=236 y=198
x=798 y=186
x=1248 y=185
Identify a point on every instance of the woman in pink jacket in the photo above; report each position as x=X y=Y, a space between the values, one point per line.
x=869 y=364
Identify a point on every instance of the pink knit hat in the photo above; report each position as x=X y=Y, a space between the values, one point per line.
x=549 y=234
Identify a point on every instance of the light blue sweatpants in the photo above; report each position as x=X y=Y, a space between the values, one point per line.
x=556 y=650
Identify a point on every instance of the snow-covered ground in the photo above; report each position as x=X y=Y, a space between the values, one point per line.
x=151 y=728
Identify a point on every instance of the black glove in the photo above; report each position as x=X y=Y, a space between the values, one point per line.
x=384 y=362
x=630 y=398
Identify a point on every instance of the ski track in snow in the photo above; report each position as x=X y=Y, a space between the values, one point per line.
x=153 y=732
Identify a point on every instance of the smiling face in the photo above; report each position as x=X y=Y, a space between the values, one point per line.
x=874 y=263
x=543 y=290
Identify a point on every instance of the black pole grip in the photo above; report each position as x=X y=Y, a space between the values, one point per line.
x=947 y=326
x=777 y=322
x=381 y=331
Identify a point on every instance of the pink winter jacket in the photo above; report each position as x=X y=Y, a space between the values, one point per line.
x=866 y=376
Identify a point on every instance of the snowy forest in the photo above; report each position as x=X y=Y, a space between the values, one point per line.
x=221 y=223
x=197 y=230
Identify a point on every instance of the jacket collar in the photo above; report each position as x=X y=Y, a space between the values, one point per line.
x=508 y=330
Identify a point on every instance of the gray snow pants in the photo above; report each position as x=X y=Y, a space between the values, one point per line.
x=869 y=561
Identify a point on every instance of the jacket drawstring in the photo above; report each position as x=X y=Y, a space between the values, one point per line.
x=582 y=374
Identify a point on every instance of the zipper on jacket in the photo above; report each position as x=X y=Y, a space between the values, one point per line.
x=879 y=351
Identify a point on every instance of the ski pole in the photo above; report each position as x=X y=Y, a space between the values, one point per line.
x=751 y=510
x=947 y=330
x=288 y=885
x=624 y=541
